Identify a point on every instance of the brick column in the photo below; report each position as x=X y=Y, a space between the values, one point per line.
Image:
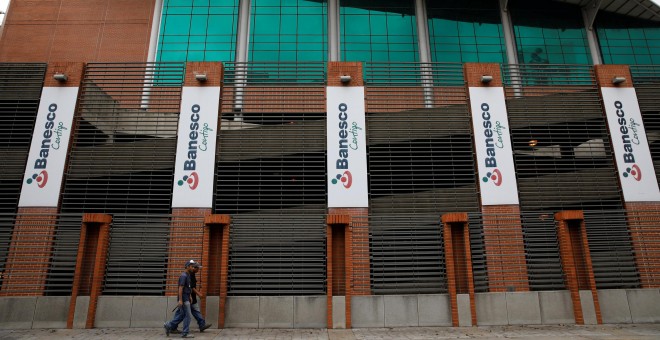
x=458 y=260
x=28 y=260
x=643 y=217
x=216 y=260
x=90 y=265
x=184 y=244
x=503 y=235
x=576 y=260
x=337 y=226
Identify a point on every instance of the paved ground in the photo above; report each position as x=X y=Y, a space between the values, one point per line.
x=640 y=331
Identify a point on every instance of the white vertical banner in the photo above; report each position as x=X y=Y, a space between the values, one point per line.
x=631 y=148
x=347 y=148
x=195 y=147
x=50 y=143
x=492 y=139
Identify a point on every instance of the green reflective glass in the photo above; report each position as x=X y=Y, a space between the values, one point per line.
x=375 y=31
x=549 y=33
x=465 y=31
x=199 y=30
x=288 y=30
x=629 y=41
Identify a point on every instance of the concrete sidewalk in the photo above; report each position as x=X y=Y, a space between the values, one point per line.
x=637 y=331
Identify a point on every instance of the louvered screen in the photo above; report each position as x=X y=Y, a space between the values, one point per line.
x=20 y=90
x=646 y=80
x=421 y=165
x=564 y=161
x=270 y=176
x=137 y=254
x=122 y=161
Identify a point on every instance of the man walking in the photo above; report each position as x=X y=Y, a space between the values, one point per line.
x=196 y=313
x=183 y=311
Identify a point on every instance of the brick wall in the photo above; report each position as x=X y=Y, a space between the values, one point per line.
x=644 y=225
x=186 y=243
x=458 y=263
x=77 y=30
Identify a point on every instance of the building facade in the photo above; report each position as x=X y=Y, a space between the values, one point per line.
x=332 y=163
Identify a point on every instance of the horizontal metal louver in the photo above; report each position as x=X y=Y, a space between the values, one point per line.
x=563 y=160
x=124 y=141
x=421 y=165
x=20 y=91
x=270 y=176
x=646 y=80
x=138 y=254
x=407 y=255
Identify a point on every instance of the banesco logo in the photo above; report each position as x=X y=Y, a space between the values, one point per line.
x=190 y=164
x=491 y=161
x=346 y=179
x=41 y=178
x=633 y=171
x=344 y=145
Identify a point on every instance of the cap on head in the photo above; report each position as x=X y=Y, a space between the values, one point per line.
x=193 y=263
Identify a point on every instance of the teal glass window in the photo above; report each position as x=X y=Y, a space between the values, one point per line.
x=626 y=40
x=549 y=32
x=198 y=30
x=288 y=30
x=465 y=31
x=378 y=31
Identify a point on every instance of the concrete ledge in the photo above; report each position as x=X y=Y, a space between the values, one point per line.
x=212 y=310
x=523 y=308
x=276 y=312
x=310 y=311
x=367 y=311
x=614 y=306
x=80 y=315
x=434 y=310
x=242 y=312
x=51 y=312
x=114 y=311
x=556 y=307
x=491 y=309
x=644 y=305
x=464 y=310
x=401 y=311
x=17 y=312
x=588 y=308
x=338 y=312
x=149 y=311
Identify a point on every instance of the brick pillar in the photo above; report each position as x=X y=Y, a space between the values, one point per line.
x=643 y=217
x=90 y=264
x=337 y=226
x=216 y=259
x=503 y=235
x=458 y=258
x=576 y=260
x=185 y=244
x=29 y=255
x=28 y=260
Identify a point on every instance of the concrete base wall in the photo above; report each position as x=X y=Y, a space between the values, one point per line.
x=515 y=308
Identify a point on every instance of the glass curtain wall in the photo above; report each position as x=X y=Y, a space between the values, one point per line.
x=288 y=30
x=465 y=31
x=625 y=40
x=378 y=31
x=198 y=30
x=549 y=32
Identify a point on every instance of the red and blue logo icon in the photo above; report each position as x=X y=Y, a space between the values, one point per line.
x=634 y=171
x=346 y=179
x=41 y=179
x=192 y=180
x=495 y=177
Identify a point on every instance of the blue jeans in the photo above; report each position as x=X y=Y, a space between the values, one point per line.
x=198 y=315
x=182 y=314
